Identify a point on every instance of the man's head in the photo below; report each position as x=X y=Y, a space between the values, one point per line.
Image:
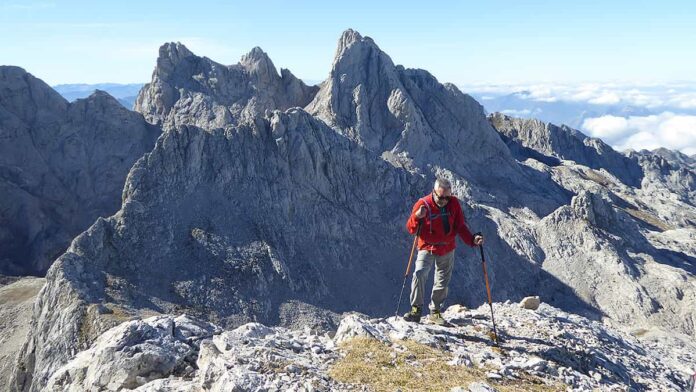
x=442 y=191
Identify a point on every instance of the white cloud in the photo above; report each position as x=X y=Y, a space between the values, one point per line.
x=609 y=128
x=673 y=131
x=517 y=113
x=665 y=96
x=685 y=101
x=673 y=124
x=606 y=98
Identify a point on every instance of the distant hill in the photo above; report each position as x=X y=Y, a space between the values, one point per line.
x=124 y=93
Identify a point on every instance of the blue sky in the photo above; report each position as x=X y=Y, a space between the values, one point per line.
x=461 y=42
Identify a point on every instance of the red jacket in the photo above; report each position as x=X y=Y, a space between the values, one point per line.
x=432 y=234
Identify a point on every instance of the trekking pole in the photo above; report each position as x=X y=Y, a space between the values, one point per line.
x=488 y=290
x=408 y=268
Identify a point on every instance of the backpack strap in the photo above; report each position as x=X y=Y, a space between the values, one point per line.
x=430 y=212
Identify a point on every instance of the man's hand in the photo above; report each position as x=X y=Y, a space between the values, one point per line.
x=478 y=239
x=420 y=213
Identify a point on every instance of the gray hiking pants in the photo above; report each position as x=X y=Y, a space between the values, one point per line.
x=443 y=273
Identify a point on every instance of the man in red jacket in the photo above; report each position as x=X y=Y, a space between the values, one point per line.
x=441 y=219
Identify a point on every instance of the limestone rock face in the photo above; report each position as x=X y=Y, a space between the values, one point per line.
x=674 y=157
x=61 y=166
x=544 y=347
x=668 y=174
x=414 y=121
x=16 y=305
x=187 y=89
x=202 y=229
x=615 y=265
x=134 y=353
x=547 y=143
x=386 y=107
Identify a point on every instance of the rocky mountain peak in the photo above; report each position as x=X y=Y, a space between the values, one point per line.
x=409 y=116
x=103 y=98
x=18 y=87
x=61 y=166
x=258 y=64
x=353 y=49
x=348 y=39
x=188 y=89
x=546 y=142
x=361 y=75
x=255 y=55
x=676 y=157
x=170 y=55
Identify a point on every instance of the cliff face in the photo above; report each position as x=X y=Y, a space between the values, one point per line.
x=527 y=137
x=406 y=114
x=62 y=165
x=187 y=89
x=249 y=208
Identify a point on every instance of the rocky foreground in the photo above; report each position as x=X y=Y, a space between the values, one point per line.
x=543 y=349
x=16 y=301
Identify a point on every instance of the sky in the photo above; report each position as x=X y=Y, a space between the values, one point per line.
x=457 y=41
x=597 y=52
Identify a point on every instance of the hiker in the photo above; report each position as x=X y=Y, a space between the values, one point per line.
x=441 y=217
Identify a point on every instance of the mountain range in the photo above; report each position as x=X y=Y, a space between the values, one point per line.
x=264 y=199
x=124 y=93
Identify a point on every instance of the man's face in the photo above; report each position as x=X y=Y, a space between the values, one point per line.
x=441 y=195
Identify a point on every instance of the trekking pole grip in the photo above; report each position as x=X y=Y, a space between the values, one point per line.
x=413 y=248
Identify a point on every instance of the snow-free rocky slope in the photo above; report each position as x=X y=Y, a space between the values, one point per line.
x=250 y=208
x=17 y=297
x=546 y=349
x=62 y=165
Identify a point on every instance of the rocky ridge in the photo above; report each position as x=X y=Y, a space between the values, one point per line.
x=546 y=349
x=62 y=165
x=188 y=89
x=547 y=143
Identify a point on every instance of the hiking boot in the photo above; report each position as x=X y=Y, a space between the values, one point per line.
x=436 y=318
x=414 y=315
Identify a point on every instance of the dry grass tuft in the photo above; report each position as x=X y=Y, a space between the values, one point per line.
x=649 y=219
x=595 y=176
x=411 y=366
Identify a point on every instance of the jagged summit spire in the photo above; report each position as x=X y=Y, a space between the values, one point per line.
x=257 y=62
x=174 y=51
x=217 y=94
x=349 y=38
x=388 y=108
x=170 y=55
x=255 y=54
